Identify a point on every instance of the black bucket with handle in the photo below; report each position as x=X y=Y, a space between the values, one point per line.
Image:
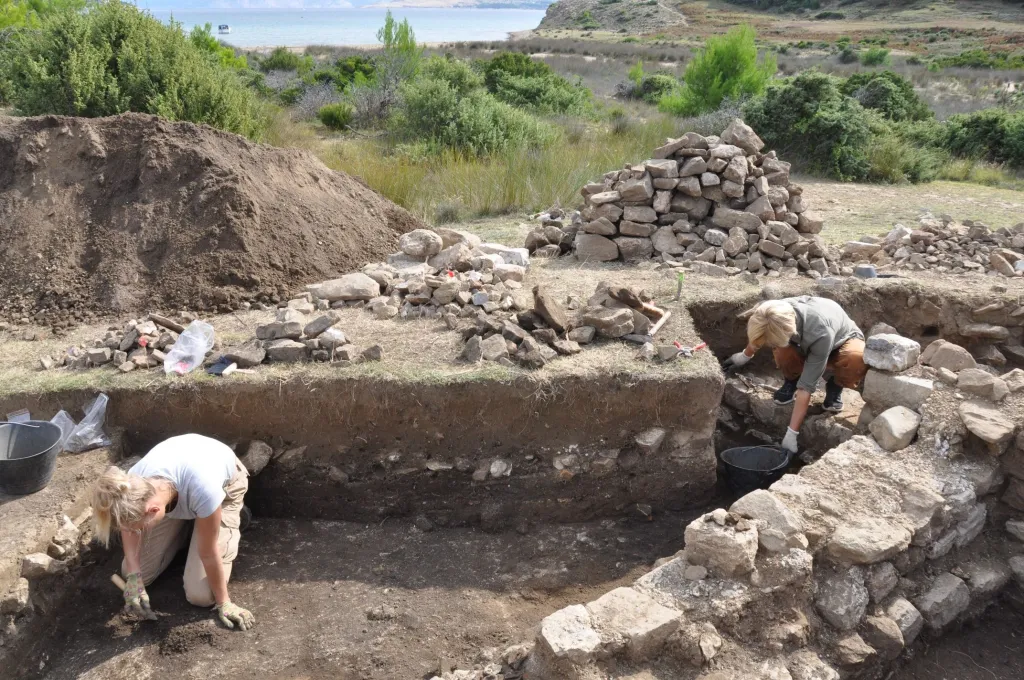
x=28 y=456
x=754 y=467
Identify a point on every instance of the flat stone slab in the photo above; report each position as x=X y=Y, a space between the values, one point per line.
x=630 y=618
x=868 y=540
x=569 y=634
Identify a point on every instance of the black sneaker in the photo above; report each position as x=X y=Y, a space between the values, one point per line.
x=244 y=518
x=785 y=394
x=833 y=396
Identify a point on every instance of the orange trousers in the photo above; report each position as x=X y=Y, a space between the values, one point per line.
x=846 y=363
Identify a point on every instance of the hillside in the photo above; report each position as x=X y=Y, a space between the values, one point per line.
x=622 y=16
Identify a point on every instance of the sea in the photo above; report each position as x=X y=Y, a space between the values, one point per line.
x=300 y=27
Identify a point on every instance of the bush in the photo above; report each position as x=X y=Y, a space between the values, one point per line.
x=808 y=116
x=996 y=135
x=474 y=123
x=875 y=56
x=887 y=92
x=283 y=59
x=457 y=73
x=30 y=13
x=336 y=116
x=727 y=67
x=981 y=59
x=895 y=161
x=290 y=95
x=848 y=55
x=112 y=58
x=518 y=80
x=656 y=86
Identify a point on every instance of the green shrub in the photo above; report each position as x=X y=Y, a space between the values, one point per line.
x=848 y=55
x=995 y=134
x=457 y=73
x=896 y=161
x=30 y=13
x=203 y=38
x=981 y=58
x=914 y=60
x=112 y=58
x=289 y=96
x=727 y=67
x=830 y=15
x=636 y=73
x=474 y=123
x=587 y=21
x=655 y=86
x=336 y=116
x=523 y=82
x=283 y=59
x=887 y=92
x=809 y=117
x=875 y=56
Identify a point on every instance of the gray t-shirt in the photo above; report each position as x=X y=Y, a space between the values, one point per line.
x=199 y=468
x=822 y=326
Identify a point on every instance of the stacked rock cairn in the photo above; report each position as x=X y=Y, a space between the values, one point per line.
x=714 y=200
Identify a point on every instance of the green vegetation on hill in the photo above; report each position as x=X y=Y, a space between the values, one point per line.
x=111 y=58
x=30 y=13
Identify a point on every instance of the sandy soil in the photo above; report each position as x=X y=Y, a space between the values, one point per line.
x=343 y=600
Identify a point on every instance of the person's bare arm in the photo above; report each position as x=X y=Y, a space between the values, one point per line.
x=131 y=541
x=800 y=406
x=207 y=535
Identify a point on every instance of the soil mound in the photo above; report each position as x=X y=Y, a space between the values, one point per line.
x=133 y=212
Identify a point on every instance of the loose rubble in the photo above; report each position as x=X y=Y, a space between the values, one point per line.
x=717 y=204
x=136 y=345
x=943 y=245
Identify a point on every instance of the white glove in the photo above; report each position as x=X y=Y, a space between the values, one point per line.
x=789 y=441
x=736 y=361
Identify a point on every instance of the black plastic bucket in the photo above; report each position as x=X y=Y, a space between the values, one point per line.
x=28 y=456
x=754 y=467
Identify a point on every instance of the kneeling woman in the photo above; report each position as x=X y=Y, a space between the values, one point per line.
x=182 y=479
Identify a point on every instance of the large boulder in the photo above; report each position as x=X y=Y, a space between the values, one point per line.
x=727 y=218
x=783 y=529
x=883 y=390
x=895 y=428
x=889 y=352
x=610 y=323
x=727 y=551
x=742 y=135
x=355 y=286
x=943 y=354
x=867 y=540
x=420 y=243
x=944 y=601
x=842 y=598
x=982 y=384
x=986 y=422
x=595 y=248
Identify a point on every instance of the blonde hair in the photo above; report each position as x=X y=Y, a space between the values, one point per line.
x=773 y=323
x=118 y=500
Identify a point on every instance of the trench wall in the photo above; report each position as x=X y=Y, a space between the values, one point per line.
x=463 y=452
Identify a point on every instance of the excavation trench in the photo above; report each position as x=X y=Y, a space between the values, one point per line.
x=403 y=529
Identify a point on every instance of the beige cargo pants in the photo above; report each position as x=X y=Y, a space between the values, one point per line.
x=161 y=543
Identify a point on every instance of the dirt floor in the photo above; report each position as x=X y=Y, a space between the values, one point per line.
x=991 y=648
x=344 y=600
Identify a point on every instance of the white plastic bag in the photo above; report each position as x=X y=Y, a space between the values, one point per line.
x=89 y=434
x=190 y=349
x=66 y=423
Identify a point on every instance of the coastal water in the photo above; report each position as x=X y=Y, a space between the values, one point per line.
x=298 y=27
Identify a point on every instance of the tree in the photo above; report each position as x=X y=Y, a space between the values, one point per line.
x=727 y=67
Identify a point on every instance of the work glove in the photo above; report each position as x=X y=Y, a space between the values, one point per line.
x=789 y=441
x=230 y=613
x=136 y=600
x=735 y=361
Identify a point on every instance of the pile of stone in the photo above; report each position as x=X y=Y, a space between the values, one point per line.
x=711 y=200
x=136 y=345
x=299 y=333
x=943 y=245
x=436 y=273
x=534 y=337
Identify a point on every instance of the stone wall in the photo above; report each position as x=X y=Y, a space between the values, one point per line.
x=836 y=570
